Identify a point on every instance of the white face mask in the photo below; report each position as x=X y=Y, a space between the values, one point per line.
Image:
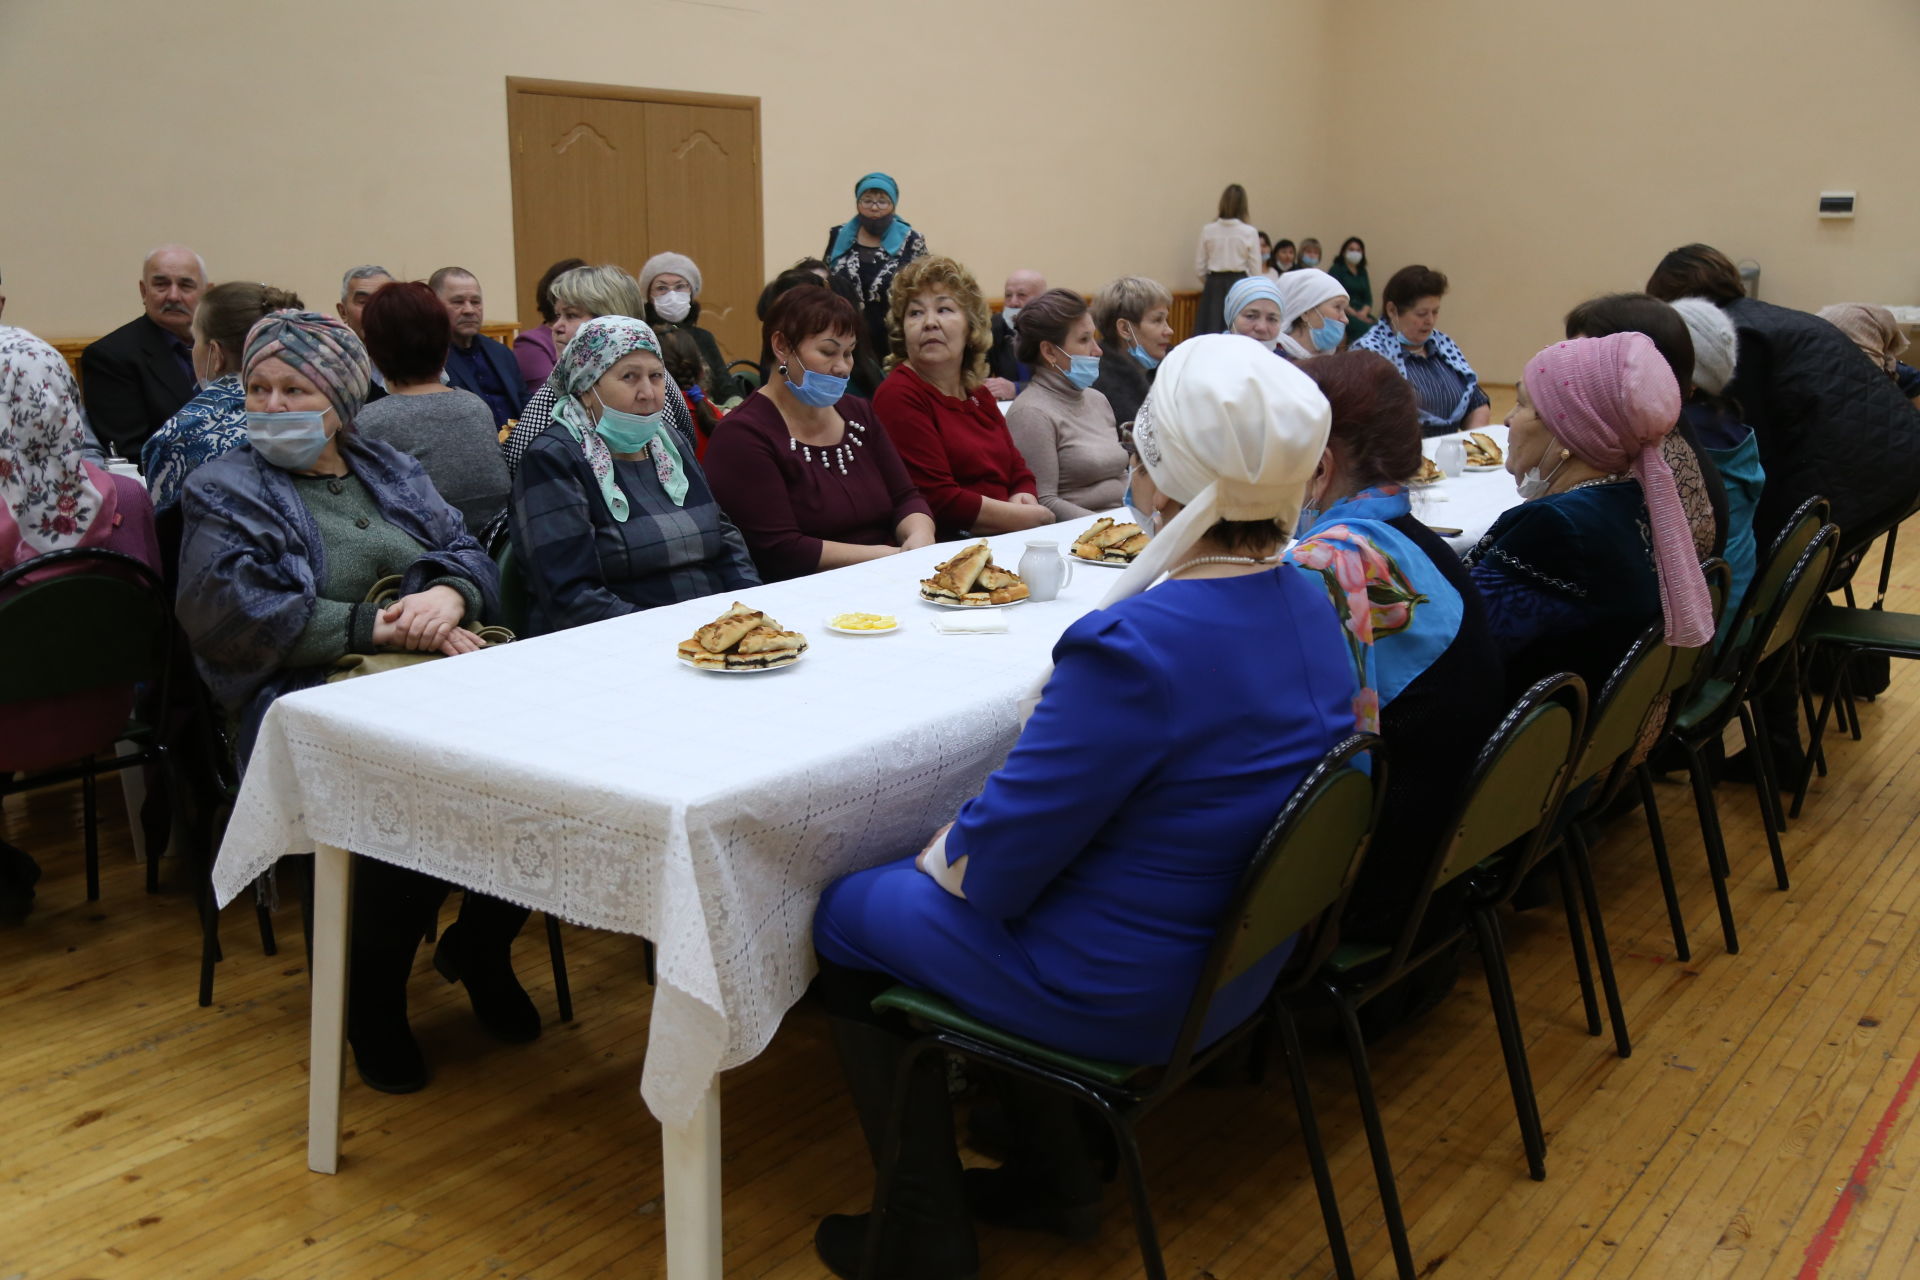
x=673 y=307
x=1009 y=314
x=1353 y=257
x=1534 y=485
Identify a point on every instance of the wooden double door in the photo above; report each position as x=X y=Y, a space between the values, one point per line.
x=616 y=174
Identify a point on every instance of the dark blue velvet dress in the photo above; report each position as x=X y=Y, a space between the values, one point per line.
x=1103 y=852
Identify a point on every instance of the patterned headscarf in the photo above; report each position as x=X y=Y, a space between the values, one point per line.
x=50 y=499
x=1612 y=400
x=322 y=349
x=596 y=347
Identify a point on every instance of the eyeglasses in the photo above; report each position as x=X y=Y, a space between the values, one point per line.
x=875 y=202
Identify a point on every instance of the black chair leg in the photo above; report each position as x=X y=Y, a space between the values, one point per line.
x=1513 y=1047
x=1143 y=1228
x=1817 y=728
x=209 y=938
x=1316 y=1153
x=1581 y=968
x=562 y=992
x=1765 y=790
x=1376 y=1135
x=1775 y=812
x=647 y=954
x=269 y=945
x=90 y=819
x=1657 y=834
x=1602 y=956
x=1703 y=804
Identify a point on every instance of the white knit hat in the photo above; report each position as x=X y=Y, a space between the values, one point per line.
x=669 y=264
x=1715 y=344
x=1302 y=289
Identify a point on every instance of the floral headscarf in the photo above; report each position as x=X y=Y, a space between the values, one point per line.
x=596 y=347
x=50 y=499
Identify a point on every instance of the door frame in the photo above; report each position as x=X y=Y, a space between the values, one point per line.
x=536 y=86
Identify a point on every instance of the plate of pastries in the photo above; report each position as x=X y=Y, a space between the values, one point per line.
x=742 y=640
x=1429 y=473
x=971 y=580
x=1114 y=545
x=1483 y=453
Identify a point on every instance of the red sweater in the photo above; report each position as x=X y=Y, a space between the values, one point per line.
x=957 y=451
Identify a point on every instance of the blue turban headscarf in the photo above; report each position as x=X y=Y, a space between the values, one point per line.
x=897 y=231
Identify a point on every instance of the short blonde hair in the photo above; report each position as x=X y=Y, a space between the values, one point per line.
x=1128 y=298
x=605 y=290
x=942 y=275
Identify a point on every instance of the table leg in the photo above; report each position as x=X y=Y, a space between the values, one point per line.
x=332 y=925
x=690 y=1173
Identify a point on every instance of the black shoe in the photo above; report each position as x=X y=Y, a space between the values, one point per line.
x=18 y=875
x=1007 y=1198
x=841 y=1242
x=386 y=1054
x=499 y=1001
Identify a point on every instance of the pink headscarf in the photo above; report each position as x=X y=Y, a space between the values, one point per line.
x=1611 y=401
x=51 y=499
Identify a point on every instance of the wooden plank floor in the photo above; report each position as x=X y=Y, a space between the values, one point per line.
x=1763 y=1127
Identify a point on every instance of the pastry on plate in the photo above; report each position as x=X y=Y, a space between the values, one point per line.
x=742 y=639
x=1483 y=451
x=972 y=578
x=1109 y=542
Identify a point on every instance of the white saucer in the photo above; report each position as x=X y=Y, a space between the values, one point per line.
x=736 y=671
x=948 y=604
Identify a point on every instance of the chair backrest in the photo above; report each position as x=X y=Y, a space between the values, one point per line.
x=1621 y=710
x=1776 y=607
x=1298 y=882
x=101 y=621
x=1690 y=666
x=1805 y=583
x=1513 y=792
x=1770 y=576
x=514 y=593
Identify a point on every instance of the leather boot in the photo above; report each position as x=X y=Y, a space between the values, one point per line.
x=926 y=1234
x=477 y=949
x=386 y=934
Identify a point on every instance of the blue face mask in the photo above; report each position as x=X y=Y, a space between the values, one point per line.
x=817 y=389
x=1412 y=343
x=1328 y=334
x=1142 y=518
x=1309 y=517
x=1081 y=371
x=291 y=441
x=627 y=432
x=1140 y=353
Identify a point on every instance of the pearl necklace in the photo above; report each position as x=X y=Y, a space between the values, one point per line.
x=1615 y=478
x=1185 y=565
x=841 y=453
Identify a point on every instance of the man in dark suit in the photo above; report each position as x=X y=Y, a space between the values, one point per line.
x=1009 y=375
x=136 y=377
x=476 y=362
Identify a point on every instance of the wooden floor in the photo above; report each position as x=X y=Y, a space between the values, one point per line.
x=1763 y=1126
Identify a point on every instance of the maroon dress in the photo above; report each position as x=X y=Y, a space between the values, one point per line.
x=786 y=499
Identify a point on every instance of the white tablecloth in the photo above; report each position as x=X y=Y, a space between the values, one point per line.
x=591 y=775
x=1470 y=501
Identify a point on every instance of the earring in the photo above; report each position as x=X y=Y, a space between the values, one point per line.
x=783 y=371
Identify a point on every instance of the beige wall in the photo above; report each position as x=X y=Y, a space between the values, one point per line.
x=287 y=143
x=1542 y=153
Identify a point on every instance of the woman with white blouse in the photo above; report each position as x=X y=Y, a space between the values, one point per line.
x=1229 y=249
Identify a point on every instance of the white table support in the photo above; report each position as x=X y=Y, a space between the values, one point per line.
x=690 y=1177
x=332 y=926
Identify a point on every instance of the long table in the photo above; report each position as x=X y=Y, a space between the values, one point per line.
x=1470 y=501
x=591 y=775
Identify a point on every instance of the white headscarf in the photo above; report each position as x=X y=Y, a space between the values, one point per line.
x=1302 y=289
x=1230 y=433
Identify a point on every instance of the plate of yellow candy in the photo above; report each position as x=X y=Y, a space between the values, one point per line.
x=863 y=624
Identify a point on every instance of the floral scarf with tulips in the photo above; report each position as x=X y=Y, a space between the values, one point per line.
x=1398 y=613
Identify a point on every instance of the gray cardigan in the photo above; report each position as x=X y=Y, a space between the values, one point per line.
x=1070 y=442
x=452 y=435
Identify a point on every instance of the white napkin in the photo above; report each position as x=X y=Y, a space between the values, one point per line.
x=963 y=624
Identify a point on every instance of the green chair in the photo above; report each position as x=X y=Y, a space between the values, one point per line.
x=1295 y=886
x=1762 y=650
x=515 y=595
x=104 y=621
x=1850 y=633
x=1498 y=834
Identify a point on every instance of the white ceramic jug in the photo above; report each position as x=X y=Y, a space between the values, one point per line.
x=1044 y=570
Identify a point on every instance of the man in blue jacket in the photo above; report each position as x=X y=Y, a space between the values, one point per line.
x=476 y=362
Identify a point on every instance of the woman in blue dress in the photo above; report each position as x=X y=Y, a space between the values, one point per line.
x=1074 y=899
